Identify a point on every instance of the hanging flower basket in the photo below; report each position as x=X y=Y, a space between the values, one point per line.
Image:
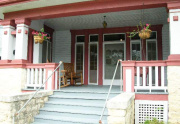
x=145 y=33
x=38 y=39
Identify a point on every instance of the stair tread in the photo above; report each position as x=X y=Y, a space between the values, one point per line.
x=69 y=119
x=74 y=109
x=76 y=102
x=82 y=96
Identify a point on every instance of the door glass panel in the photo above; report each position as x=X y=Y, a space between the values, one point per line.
x=135 y=51
x=151 y=49
x=113 y=52
x=93 y=63
x=79 y=58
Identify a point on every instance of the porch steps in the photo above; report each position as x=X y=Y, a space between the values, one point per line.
x=74 y=107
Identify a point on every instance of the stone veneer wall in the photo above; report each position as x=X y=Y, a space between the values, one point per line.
x=10 y=104
x=121 y=109
x=12 y=80
x=174 y=94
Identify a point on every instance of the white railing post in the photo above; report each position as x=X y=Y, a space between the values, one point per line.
x=128 y=76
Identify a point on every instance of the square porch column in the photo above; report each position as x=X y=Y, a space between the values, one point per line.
x=7 y=39
x=173 y=64
x=22 y=38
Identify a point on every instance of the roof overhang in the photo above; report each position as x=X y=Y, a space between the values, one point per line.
x=20 y=5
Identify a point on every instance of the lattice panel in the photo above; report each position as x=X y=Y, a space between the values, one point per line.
x=147 y=110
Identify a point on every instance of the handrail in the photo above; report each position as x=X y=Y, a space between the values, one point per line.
x=35 y=92
x=100 y=120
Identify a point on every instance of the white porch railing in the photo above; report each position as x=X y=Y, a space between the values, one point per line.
x=37 y=74
x=147 y=76
x=35 y=77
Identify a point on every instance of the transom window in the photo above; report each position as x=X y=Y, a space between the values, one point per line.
x=114 y=37
x=80 y=39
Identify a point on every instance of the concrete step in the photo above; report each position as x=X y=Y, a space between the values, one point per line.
x=82 y=96
x=66 y=119
x=76 y=102
x=74 y=109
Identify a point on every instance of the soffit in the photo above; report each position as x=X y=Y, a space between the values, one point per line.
x=114 y=19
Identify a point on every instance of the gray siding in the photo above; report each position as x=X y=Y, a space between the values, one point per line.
x=62 y=46
x=165 y=41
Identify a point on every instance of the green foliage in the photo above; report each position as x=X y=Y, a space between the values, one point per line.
x=154 y=121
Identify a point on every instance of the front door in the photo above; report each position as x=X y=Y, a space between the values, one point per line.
x=113 y=51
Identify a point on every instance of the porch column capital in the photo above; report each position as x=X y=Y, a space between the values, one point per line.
x=22 y=38
x=23 y=21
x=174 y=17
x=8 y=22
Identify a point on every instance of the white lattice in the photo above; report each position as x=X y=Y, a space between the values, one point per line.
x=147 y=110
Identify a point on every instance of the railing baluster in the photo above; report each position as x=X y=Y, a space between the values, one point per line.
x=32 y=76
x=138 y=78
x=162 y=76
x=28 y=77
x=36 y=77
x=40 y=76
x=144 y=76
x=56 y=79
x=156 y=76
x=150 y=77
x=44 y=75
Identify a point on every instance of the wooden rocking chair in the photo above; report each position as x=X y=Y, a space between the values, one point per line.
x=71 y=75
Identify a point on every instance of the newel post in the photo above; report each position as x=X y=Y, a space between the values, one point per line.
x=51 y=84
x=128 y=75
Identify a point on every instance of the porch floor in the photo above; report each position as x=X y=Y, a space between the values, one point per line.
x=92 y=88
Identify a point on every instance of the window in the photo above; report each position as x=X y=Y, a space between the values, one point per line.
x=151 y=50
x=136 y=50
x=151 y=47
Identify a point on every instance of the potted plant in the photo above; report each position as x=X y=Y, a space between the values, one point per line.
x=39 y=37
x=144 y=33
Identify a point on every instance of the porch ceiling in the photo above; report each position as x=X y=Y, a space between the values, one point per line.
x=114 y=19
x=25 y=5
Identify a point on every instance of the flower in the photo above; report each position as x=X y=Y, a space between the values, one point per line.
x=144 y=27
x=41 y=33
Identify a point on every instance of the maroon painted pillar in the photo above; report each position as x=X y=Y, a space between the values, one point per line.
x=100 y=74
x=86 y=59
x=127 y=47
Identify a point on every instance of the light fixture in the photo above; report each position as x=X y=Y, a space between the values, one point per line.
x=104 y=22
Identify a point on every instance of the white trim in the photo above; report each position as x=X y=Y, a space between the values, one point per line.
x=89 y=59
